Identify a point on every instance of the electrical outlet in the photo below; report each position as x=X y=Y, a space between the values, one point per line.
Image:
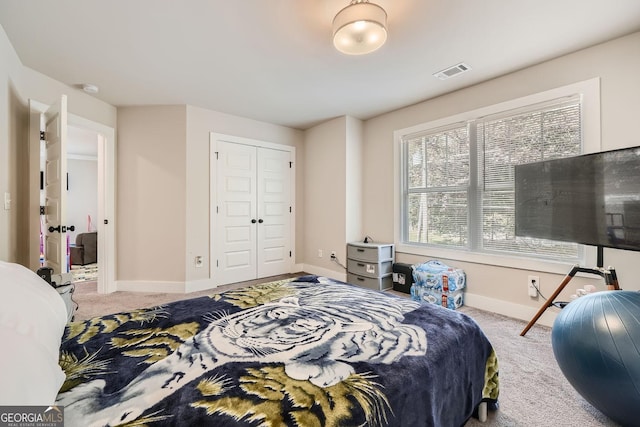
x=198 y=261
x=533 y=284
x=333 y=255
x=320 y=253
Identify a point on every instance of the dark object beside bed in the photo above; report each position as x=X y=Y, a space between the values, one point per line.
x=312 y=351
x=402 y=277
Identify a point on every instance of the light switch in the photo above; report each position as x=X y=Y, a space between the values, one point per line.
x=7 y=201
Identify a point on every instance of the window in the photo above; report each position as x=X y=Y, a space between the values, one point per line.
x=437 y=193
x=457 y=176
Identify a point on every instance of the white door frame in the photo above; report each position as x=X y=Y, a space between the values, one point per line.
x=106 y=193
x=213 y=146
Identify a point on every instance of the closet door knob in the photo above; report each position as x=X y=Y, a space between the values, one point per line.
x=260 y=221
x=253 y=221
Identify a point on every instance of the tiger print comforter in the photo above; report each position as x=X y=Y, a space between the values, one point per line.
x=306 y=352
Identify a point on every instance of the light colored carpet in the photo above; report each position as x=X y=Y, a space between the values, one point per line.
x=533 y=391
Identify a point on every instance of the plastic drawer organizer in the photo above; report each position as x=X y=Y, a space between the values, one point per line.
x=370 y=265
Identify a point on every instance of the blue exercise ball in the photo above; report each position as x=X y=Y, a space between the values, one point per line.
x=596 y=341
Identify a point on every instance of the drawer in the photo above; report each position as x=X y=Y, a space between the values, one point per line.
x=378 y=284
x=369 y=269
x=369 y=252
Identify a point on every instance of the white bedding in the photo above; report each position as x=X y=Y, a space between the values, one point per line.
x=32 y=321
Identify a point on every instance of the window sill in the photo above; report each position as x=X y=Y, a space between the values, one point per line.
x=521 y=263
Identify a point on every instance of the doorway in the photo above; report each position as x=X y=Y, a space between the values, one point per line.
x=103 y=138
x=82 y=203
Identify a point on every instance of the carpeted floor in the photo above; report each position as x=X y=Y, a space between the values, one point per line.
x=533 y=391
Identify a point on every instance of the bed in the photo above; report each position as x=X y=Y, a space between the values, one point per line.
x=310 y=351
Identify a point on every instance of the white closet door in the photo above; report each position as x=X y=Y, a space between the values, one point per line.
x=252 y=218
x=274 y=216
x=235 y=220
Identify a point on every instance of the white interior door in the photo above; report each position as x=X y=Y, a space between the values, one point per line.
x=274 y=212
x=106 y=191
x=55 y=178
x=235 y=216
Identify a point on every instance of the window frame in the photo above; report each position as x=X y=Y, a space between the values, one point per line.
x=428 y=189
x=589 y=93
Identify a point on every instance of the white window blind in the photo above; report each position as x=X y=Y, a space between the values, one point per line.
x=459 y=180
x=437 y=196
x=544 y=132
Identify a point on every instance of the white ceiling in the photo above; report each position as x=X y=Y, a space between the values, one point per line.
x=273 y=61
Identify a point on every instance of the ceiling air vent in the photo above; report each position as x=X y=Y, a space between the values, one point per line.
x=452 y=71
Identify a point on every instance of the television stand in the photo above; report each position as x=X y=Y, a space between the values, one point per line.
x=609 y=276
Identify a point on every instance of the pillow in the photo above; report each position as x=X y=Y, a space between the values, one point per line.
x=32 y=321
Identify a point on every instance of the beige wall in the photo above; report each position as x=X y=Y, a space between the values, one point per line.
x=151 y=197
x=615 y=62
x=354 y=151
x=12 y=131
x=325 y=194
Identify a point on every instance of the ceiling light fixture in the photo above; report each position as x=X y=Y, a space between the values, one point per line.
x=90 y=88
x=360 y=28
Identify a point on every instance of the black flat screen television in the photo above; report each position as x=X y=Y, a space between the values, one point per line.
x=592 y=199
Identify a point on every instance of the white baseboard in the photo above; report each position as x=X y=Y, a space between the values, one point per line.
x=516 y=311
x=147 y=286
x=199 y=285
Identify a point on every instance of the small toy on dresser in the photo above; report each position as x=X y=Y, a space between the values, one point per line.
x=438 y=283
